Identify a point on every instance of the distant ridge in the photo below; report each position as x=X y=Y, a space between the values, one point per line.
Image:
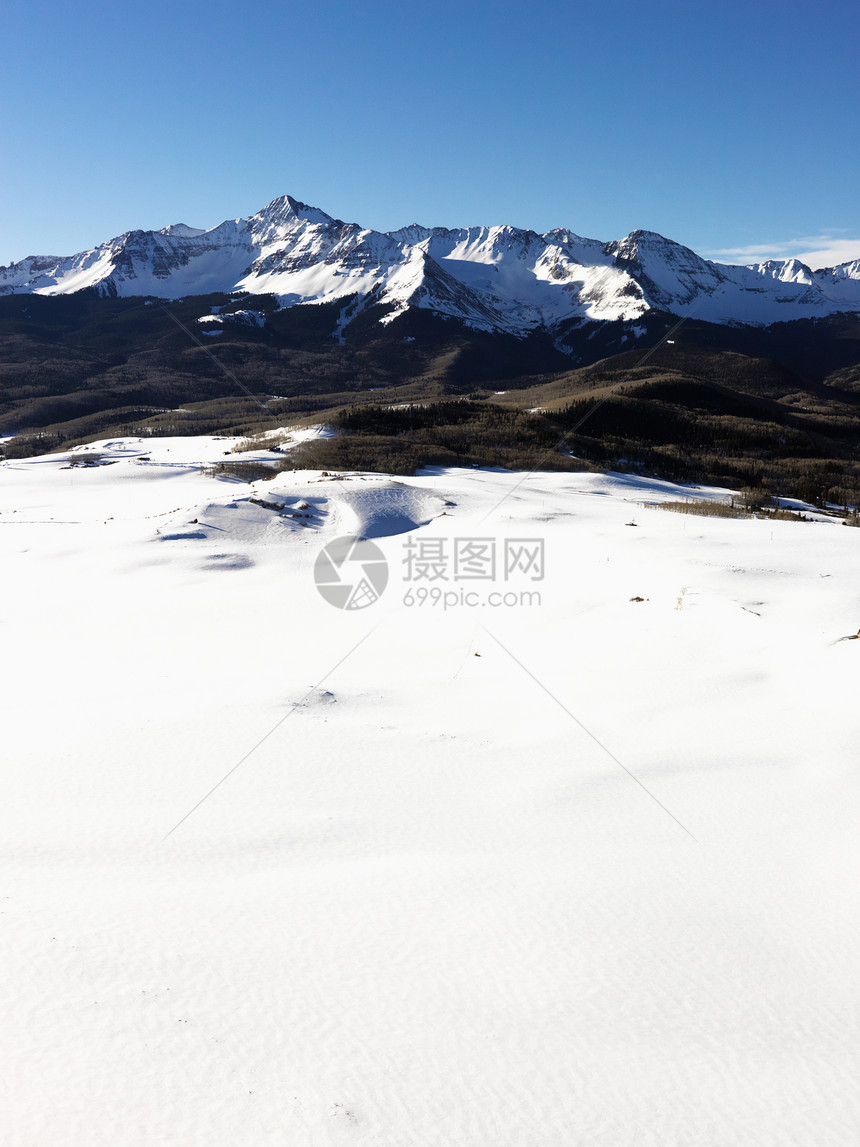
x=501 y=279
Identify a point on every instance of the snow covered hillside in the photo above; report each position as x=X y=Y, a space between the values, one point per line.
x=575 y=864
x=493 y=278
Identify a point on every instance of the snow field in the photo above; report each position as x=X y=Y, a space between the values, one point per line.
x=428 y=908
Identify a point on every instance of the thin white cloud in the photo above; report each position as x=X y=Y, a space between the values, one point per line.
x=815 y=250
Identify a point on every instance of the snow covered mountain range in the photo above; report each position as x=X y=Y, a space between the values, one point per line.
x=492 y=278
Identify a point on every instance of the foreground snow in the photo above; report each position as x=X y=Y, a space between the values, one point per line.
x=428 y=908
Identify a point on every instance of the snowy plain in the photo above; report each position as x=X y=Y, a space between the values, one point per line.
x=576 y=872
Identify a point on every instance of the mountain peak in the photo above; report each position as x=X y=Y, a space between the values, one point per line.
x=650 y=239
x=182 y=231
x=286 y=209
x=785 y=270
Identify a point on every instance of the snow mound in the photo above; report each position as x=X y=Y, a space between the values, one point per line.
x=386 y=509
x=258 y=518
x=363 y=506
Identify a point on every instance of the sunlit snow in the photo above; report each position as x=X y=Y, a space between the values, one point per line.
x=578 y=869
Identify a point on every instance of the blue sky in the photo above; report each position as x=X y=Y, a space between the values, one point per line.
x=730 y=127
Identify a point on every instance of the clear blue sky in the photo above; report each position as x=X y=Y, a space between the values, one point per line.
x=728 y=126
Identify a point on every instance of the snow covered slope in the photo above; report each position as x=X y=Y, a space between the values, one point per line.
x=427 y=909
x=493 y=278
